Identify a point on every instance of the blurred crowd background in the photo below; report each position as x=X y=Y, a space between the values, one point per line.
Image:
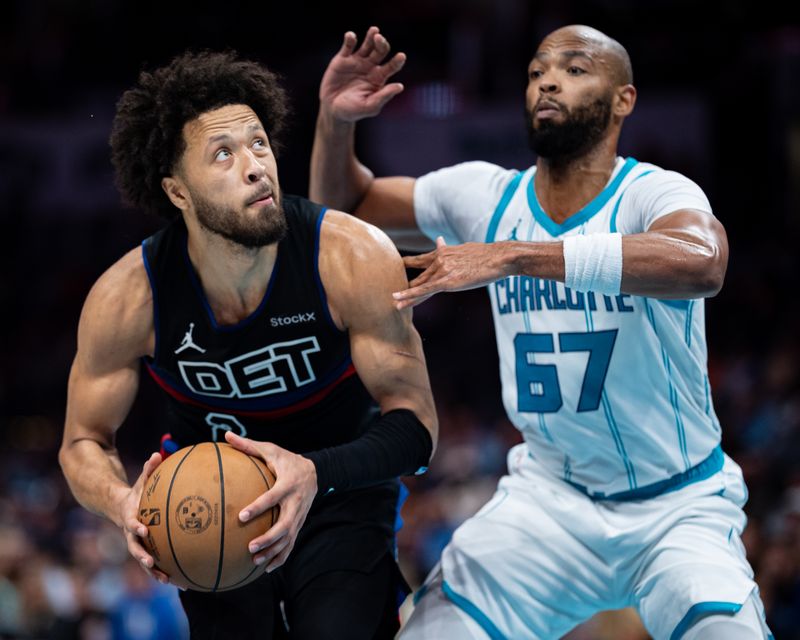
x=719 y=100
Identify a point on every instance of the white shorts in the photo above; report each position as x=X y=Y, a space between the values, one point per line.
x=541 y=557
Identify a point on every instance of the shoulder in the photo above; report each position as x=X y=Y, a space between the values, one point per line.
x=652 y=193
x=650 y=179
x=117 y=317
x=468 y=175
x=354 y=246
x=457 y=202
x=359 y=265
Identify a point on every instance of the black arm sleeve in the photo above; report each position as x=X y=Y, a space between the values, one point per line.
x=397 y=444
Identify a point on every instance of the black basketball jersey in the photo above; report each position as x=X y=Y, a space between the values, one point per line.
x=284 y=374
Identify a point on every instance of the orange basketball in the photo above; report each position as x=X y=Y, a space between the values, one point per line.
x=190 y=506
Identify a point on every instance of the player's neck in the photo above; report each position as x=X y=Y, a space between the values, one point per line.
x=234 y=278
x=564 y=187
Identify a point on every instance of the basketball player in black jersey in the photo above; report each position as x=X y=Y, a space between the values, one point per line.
x=269 y=322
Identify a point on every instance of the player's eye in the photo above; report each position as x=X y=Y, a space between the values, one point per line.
x=575 y=71
x=260 y=143
x=222 y=154
x=536 y=73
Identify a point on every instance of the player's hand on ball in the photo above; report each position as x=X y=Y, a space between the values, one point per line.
x=132 y=528
x=354 y=84
x=294 y=490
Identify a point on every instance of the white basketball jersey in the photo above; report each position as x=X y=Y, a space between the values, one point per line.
x=610 y=393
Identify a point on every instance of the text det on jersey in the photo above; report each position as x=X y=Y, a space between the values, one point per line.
x=275 y=368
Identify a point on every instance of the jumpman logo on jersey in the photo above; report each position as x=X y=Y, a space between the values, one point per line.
x=513 y=234
x=188 y=341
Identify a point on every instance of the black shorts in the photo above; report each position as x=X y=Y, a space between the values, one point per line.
x=340 y=581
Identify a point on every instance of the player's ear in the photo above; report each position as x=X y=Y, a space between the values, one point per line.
x=624 y=100
x=176 y=191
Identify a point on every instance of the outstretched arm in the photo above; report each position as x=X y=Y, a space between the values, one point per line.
x=356 y=86
x=681 y=255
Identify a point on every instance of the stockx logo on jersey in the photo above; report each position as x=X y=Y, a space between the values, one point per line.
x=297 y=318
x=282 y=366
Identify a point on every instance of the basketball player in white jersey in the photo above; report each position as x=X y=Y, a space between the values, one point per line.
x=596 y=267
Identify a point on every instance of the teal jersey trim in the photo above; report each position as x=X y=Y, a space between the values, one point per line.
x=673 y=392
x=508 y=193
x=705 y=469
x=675 y=304
x=703 y=609
x=473 y=612
x=419 y=595
x=688 y=332
x=613 y=224
x=616 y=435
x=577 y=219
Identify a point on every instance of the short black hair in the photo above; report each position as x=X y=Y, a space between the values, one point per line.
x=147 y=134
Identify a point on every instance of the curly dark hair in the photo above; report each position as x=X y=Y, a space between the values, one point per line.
x=147 y=134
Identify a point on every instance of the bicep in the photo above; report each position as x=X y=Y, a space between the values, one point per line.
x=384 y=345
x=682 y=255
x=98 y=399
x=114 y=332
x=698 y=227
x=386 y=348
x=387 y=354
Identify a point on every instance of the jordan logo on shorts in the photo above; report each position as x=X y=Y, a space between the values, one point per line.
x=188 y=341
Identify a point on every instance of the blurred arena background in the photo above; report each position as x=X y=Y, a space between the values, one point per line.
x=719 y=100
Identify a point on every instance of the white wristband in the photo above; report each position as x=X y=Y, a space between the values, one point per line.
x=593 y=263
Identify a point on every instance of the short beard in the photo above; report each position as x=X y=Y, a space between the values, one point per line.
x=583 y=128
x=267 y=228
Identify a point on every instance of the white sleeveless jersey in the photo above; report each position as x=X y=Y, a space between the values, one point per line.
x=610 y=393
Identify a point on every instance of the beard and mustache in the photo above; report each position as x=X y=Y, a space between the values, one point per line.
x=268 y=227
x=581 y=130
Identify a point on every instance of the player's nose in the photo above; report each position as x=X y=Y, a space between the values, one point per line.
x=547 y=85
x=254 y=170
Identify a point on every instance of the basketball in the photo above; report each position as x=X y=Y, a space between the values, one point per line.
x=190 y=506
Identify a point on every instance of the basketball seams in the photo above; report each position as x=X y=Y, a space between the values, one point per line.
x=222 y=518
x=243 y=581
x=174 y=534
x=169 y=518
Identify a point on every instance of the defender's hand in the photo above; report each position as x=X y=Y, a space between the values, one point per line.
x=132 y=528
x=294 y=490
x=354 y=84
x=466 y=266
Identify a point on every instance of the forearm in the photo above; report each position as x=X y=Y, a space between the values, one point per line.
x=669 y=266
x=656 y=265
x=338 y=179
x=397 y=444
x=95 y=476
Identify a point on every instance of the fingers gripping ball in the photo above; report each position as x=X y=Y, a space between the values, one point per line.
x=190 y=506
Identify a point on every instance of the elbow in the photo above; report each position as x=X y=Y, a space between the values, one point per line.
x=711 y=275
x=64 y=457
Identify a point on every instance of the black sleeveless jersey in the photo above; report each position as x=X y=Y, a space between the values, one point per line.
x=283 y=374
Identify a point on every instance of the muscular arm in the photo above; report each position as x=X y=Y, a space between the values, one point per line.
x=115 y=330
x=682 y=255
x=360 y=269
